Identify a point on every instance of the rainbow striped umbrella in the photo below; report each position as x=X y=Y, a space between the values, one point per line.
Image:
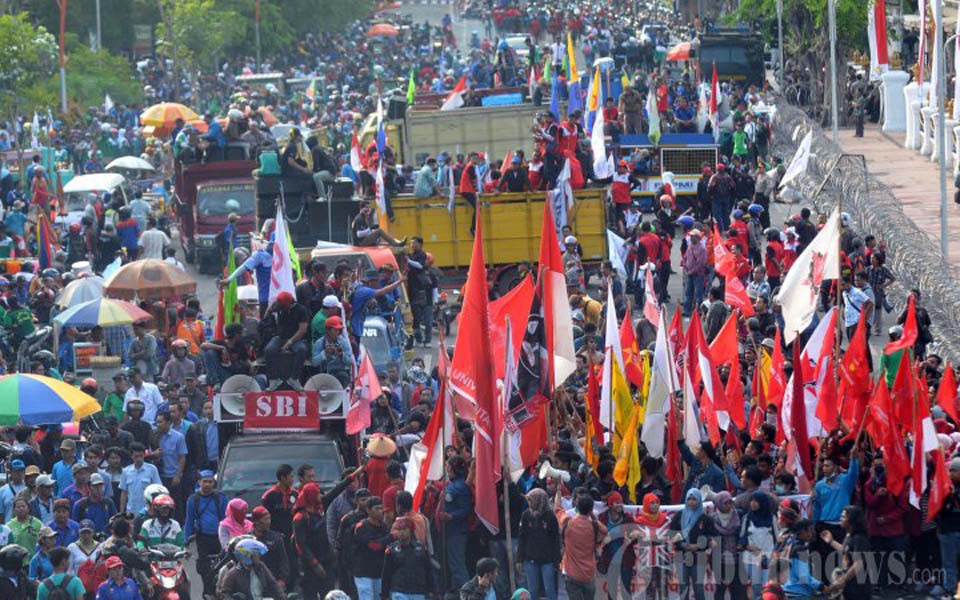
x=39 y=400
x=102 y=311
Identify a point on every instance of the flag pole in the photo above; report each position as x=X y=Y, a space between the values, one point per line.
x=505 y=394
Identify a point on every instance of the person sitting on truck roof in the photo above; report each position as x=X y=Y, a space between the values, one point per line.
x=215 y=137
x=296 y=162
x=426 y=182
x=332 y=335
x=366 y=231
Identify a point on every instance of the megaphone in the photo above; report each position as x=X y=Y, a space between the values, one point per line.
x=548 y=470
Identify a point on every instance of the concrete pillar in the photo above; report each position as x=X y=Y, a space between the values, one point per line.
x=894 y=101
x=927 y=114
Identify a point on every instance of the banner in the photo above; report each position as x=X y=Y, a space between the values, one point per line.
x=288 y=409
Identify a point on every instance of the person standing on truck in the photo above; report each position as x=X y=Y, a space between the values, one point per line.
x=363 y=294
x=515 y=179
x=215 y=138
x=260 y=263
x=469 y=184
x=420 y=285
x=426 y=183
x=631 y=111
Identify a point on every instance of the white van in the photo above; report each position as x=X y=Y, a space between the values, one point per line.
x=80 y=190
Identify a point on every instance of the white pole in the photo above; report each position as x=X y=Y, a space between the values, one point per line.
x=63 y=90
x=834 y=116
x=99 y=38
x=941 y=126
x=780 y=42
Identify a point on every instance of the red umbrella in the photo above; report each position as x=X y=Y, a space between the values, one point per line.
x=383 y=30
x=680 y=52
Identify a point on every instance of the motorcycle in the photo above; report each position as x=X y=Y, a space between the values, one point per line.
x=167 y=575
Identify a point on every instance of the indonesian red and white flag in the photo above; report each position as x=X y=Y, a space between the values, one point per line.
x=366 y=389
x=473 y=381
x=281 y=269
x=426 y=456
x=877 y=38
x=356 y=162
x=556 y=305
x=651 y=307
x=818 y=262
x=454 y=99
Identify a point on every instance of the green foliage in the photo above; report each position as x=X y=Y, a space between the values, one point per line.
x=202 y=31
x=28 y=55
x=327 y=15
x=90 y=75
x=851 y=19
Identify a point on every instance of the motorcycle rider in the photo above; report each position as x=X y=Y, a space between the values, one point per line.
x=149 y=494
x=14 y=584
x=248 y=573
x=162 y=528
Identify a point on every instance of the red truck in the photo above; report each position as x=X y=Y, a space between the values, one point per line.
x=205 y=194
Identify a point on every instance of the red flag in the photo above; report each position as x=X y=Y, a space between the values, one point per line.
x=724 y=264
x=827 y=405
x=472 y=377
x=734 y=393
x=673 y=469
x=440 y=427
x=855 y=382
x=691 y=349
x=886 y=435
x=651 y=306
x=454 y=99
x=777 y=383
x=515 y=304
x=947 y=393
x=366 y=389
x=941 y=488
x=736 y=296
x=713 y=401
x=725 y=348
x=903 y=393
x=909 y=337
x=556 y=304
x=632 y=369
x=675 y=339
x=798 y=415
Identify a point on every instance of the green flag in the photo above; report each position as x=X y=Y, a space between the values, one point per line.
x=294 y=259
x=230 y=301
x=411 y=89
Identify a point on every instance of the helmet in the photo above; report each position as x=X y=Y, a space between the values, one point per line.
x=738 y=214
x=89 y=384
x=180 y=343
x=336 y=595
x=44 y=356
x=154 y=490
x=686 y=221
x=245 y=550
x=52 y=273
x=755 y=209
x=163 y=501
x=232 y=205
x=12 y=557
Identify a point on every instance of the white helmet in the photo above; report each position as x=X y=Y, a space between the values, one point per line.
x=152 y=491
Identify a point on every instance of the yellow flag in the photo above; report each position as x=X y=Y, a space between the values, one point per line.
x=627 y=469
x=622 y=402
x=593 y=98
x=572 y=59
x=645 y=365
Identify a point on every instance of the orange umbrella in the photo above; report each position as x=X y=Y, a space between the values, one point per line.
x=680 y=52
x=149 y=279
x=383 y=30
x=200 y=125
x=166 y=114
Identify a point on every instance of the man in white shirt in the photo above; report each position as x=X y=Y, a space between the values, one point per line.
x=147 y=393
x=153 y=241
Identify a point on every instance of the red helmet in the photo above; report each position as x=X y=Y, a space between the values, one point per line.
x=163 y=501
x=89 y=383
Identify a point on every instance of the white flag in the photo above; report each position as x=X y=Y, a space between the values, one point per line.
x=453 y=189
x=801 y=287
x=616 y=247
x=798 y=166
x=281 y=270
x=654 y=115
x=34 y=133
x=107 y=103
x=663 y=386
x=613 y=359
x=691 y=421
x=598 y=145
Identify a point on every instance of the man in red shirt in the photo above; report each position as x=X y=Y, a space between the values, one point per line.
x=572 y=132
x=468 y=187
x=773 y=260
x=663 y=96
x=620 y=192
x=611 y=120
x=650 y=242
x=395 y=473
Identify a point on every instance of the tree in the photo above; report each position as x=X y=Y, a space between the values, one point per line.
x=28 y=56
x=806 y=40
x=91 y=74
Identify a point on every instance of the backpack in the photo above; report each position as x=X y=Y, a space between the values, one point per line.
x=92 y=574
x=58 y=592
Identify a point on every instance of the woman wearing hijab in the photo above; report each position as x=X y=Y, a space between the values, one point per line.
x=758 y=537
x=693 y=531
x=311 y=544
x=653 y=548
x=235 y=522
x=726 y=521
x=539 y=545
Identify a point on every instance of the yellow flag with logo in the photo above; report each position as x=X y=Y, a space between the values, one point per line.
x=627 y=469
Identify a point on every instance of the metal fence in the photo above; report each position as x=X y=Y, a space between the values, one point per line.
x=912 y=255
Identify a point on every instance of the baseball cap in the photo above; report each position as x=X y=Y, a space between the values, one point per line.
x=285 y=299
x=207 y=474
x=96 y=479
x=569 y=240
x=32 y=470
x=46 y=481
x=87 y=525
x=113 y=562
x=46 y=532
x=80 y=467
x=17 y=465
x=259 y=512
x=331 y=301
x=334 y=322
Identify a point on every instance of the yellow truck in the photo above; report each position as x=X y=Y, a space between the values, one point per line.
x=511 y=224
x=494 y=130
